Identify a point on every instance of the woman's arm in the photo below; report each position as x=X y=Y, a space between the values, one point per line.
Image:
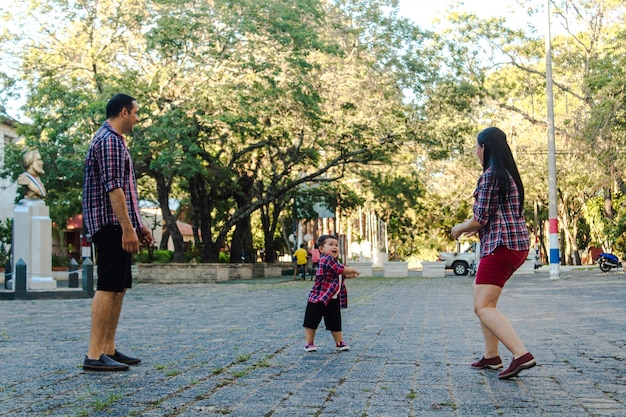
x=469 y=227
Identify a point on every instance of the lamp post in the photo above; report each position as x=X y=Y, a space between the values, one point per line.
x=552 y=194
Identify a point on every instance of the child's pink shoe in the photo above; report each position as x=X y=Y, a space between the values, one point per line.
x=342 y=346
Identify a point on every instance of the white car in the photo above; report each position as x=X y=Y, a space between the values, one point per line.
x=462 y=262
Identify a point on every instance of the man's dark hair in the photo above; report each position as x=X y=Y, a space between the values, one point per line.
x=117 y=103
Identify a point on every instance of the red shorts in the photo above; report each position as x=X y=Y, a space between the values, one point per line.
x=497 y=267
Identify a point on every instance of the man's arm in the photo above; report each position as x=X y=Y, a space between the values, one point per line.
x=130 y=240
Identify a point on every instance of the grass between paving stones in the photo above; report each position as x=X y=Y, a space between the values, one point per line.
x=101 y=405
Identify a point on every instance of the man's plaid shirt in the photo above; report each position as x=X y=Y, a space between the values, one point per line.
x=327 y=282
x=108 y=166
x=503 y=223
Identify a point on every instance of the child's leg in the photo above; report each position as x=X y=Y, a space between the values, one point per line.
x=312 y=319
x=332 y=319
x=309 y=335
x=338 y=336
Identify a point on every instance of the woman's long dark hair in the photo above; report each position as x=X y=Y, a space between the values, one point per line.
x=498 y=156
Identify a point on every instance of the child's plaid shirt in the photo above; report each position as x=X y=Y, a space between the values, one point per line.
x=327 y=282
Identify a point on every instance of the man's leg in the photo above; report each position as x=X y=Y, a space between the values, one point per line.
x=109 y=340
x=105 y=313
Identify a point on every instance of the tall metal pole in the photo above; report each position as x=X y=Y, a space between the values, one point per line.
x=552 y=194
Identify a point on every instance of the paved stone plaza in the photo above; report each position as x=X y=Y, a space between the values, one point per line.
x=237 y=350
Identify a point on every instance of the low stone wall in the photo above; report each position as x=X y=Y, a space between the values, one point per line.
x=262 y=270
x=203 y=273
x=181 y=273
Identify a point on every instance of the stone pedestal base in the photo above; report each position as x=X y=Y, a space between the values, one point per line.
x=32 y=243
x=42 y=283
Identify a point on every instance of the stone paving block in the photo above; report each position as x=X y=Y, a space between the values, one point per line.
x=215 y=350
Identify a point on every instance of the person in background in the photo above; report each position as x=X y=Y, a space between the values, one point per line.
x=328 y=295
x=112 y=220
x=301 y=260
x=504 y=244
x=314 y=256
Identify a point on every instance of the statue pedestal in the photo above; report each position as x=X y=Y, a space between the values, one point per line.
x=32 y=242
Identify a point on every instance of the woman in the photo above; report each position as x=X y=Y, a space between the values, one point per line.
x=504 y=243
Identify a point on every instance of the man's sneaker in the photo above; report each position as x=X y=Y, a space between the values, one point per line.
x=310 y=347
x=103 y=363
x=120 y=357
x=526 y=361
x=491 y=363
x=342 y=346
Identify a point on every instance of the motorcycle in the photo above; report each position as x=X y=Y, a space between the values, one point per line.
x=472 y=268
x=607 y=261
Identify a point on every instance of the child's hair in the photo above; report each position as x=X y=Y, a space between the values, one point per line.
x=322 y=239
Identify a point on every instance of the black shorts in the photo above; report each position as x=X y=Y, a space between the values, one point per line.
x=331 y=314
x=113 y=261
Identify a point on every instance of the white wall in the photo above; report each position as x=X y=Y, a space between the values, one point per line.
x=8 y=188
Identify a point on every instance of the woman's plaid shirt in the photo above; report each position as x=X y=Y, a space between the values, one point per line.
x=108 y=166
x=327 y=282
x=503 y=223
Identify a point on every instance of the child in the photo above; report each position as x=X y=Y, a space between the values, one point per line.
x=328 y=295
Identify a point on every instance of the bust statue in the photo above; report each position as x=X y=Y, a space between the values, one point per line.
x=29 y=180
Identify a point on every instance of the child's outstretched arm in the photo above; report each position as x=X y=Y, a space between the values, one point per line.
x=350 y=272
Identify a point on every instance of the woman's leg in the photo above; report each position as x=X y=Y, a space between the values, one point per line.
x=494 y=323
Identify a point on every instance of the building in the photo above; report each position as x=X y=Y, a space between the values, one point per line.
x=8 y=188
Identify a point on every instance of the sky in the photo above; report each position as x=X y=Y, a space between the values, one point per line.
x=423 y=12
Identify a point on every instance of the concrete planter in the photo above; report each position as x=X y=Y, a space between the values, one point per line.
x=396 y=269
x=364 y=268
x=380 y=258
x=433 y=269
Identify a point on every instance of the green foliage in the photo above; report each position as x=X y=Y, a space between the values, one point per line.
x=61 y=261
x=193 y=254
x=158 y=256
x=6 y=240
x=224 y=257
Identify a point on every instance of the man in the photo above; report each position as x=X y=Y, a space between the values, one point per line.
x=111 y=215
x=29 y=180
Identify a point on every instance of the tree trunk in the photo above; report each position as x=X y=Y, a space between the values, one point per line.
x=269 y=222
x=241 y=247
x=169 y=219
x=165 y=236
